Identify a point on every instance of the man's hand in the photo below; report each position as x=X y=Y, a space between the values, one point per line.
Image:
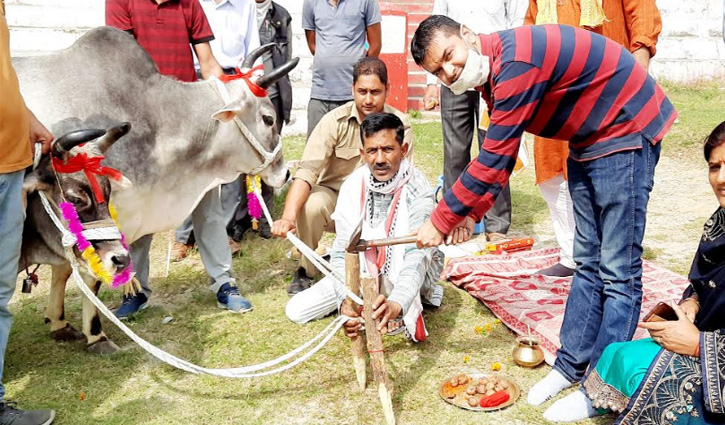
x=690 y=307
x=282 y=226
x=385 y=311
x=679 y=336
x=352 y=327
x=429 y=236
x=431 y=98
x=39 y=134
x=642 y=56
x=462 y=232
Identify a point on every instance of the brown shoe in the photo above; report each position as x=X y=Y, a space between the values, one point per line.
x=234 y=245
x=180 y=251
x=495 y=237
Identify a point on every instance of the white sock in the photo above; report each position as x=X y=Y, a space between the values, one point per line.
x=548 y=387
x=574 y=407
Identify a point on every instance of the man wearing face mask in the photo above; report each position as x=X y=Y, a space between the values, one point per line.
x=460 y=111
x=332 y=153
x=564 y=83
x=392 y=198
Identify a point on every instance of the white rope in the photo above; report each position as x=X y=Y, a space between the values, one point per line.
x=108 y=233
x=241 y=372
x=315 y=258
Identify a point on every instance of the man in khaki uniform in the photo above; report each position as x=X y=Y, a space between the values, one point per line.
x=19 y=131
x=332 y=153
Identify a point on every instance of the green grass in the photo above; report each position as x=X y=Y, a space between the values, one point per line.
x=132 y=387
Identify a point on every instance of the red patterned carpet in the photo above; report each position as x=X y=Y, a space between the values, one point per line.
x=505 y=284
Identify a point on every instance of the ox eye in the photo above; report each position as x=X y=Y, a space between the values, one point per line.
x=268 y=120
x=76 y=200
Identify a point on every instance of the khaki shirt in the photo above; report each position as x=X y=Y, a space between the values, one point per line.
x=333 y=149
x=15 y=151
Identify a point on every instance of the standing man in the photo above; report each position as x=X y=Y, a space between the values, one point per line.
x=634 y=24
x=234 y=24
x=333 y=153
x=19 y=132
x=336 y=31
x=460 y=112
x=165 y=29
x=565 y=83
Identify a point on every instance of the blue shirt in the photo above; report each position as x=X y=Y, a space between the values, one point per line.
x=339 y=43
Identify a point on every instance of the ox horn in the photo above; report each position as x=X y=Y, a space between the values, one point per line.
x=112 y=135
x=256 y=53
x=267 y=80
x=68 y=141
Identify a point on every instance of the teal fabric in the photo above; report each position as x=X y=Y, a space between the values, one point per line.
x=623 y=365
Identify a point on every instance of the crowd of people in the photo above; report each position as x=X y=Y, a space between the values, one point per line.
x=496 y=69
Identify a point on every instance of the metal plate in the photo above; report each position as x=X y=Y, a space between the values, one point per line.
x=461 y=399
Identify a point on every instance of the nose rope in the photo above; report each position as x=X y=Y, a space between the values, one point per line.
x=268 y=157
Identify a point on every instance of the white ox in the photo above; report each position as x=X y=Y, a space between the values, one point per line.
x=185 y=139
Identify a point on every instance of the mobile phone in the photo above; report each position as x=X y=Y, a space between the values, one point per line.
x=662 y=312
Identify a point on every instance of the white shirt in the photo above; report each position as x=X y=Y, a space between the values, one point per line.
x=482 y=16
x=236 y=33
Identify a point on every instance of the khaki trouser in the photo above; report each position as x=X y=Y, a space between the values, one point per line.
x=314 y=219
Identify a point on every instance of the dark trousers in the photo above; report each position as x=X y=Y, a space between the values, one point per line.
x=459 y=115
x=316 y=109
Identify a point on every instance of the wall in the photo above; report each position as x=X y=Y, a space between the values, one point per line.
x=690 y=47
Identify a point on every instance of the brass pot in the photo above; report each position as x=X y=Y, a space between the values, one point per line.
x=527 y=352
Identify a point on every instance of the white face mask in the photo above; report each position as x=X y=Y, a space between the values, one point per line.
x=475 y=72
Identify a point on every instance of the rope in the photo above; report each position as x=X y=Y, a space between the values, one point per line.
x=240 y=372
x=315 y=258
x=102 y=233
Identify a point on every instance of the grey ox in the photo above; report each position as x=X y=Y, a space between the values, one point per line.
x=185 y=138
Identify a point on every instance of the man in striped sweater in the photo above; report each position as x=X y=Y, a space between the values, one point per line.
x=564 y=83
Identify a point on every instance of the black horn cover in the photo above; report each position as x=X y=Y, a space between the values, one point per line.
x=70 y=140
x=256 y=53
x=267 y=80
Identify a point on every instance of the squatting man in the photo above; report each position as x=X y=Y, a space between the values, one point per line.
x=391 y=198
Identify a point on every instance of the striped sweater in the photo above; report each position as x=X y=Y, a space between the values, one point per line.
x=558 y=82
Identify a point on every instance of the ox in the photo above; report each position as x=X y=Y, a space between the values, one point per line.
x=42 y=240
x=186 y=138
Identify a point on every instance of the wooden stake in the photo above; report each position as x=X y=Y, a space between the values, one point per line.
x=375 y=348
x=352 y=277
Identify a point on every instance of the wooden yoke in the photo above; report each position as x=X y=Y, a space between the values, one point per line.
x=371 y=290
x=352 y=277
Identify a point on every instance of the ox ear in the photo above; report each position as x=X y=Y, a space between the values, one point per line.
x=227 y=112
x=33 y=183
x=121 y=184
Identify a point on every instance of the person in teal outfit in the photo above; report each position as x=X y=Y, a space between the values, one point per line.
x=677 y=376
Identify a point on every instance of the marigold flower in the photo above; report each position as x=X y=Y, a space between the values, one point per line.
x=488 y=327
x=478 y=330
x=496 y=366
x=466 y=359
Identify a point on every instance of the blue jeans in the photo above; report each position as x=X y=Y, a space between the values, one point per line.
x=12 y=217
x=609 y=196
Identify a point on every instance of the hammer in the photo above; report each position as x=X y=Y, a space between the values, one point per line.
x=357 y=244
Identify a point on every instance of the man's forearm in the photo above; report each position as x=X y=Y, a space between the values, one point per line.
x=296 y=198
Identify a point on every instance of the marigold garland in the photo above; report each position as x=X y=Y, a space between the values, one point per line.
x=255 y=210
x=88 y=253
